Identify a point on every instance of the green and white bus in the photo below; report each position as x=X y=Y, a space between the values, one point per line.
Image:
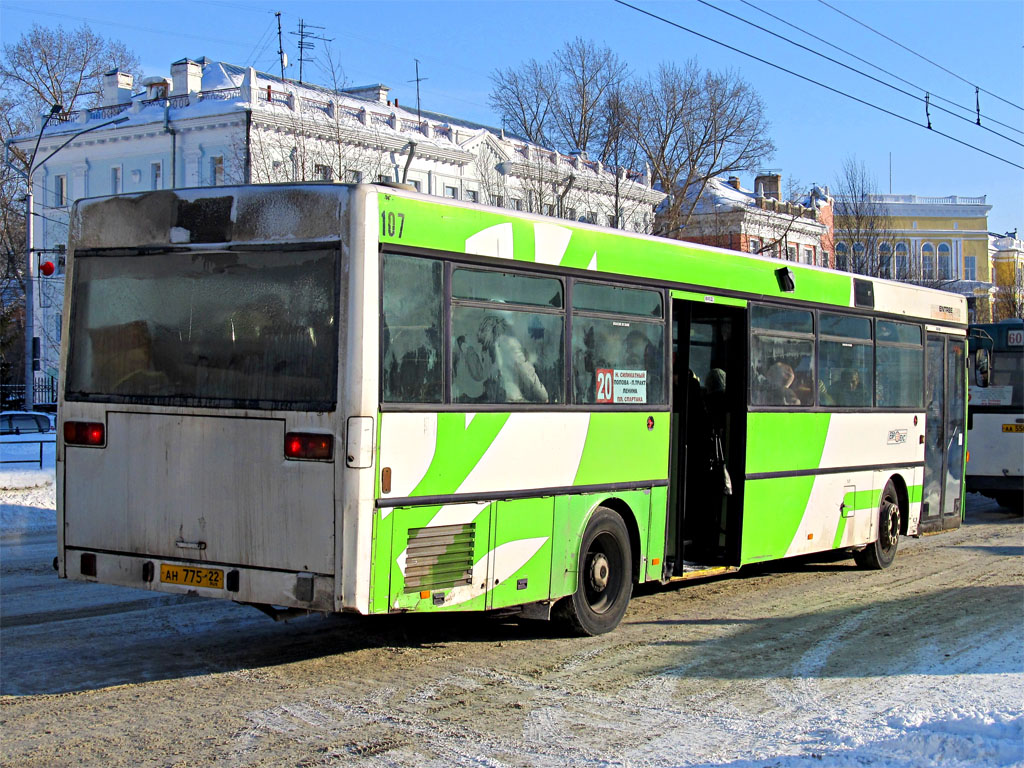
x=361 y=398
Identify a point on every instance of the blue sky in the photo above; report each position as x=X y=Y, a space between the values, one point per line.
x=459 y=43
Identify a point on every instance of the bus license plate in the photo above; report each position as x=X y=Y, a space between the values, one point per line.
x=1013 y=427
x=187 y=576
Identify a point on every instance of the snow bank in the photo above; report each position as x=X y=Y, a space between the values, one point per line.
x=26 y=472
x=955 y=739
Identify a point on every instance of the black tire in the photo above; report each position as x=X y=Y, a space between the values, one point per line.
x=879 y=554
x=604 y=581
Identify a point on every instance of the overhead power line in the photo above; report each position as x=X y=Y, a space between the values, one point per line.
x=926 y=99
x=925 y=58
x=975 y=111
x=815 y=82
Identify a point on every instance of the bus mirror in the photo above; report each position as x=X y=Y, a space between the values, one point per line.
x=981 y=369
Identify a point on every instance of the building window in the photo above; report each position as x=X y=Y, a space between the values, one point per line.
x=902 y=262
x=570 y=213
x=755 y=245
x=928 y=261
x=885 y=260
x=591 y=217
x=857 y=263
x=353 y=176
x=156 y=171
x=415 y=184
x=808 y=255
x=970 y=268
x=60 y=191
x=945 y=262
x=499 y=201
x=842 y=260
x=791 y=252
x=323 y=173
x=217 y=170
x=451 y=192
x=472 y=196
x=517 y=203
x=115 y=180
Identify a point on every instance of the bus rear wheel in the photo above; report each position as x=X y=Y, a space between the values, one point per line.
x=880 y=553
x=604 y=581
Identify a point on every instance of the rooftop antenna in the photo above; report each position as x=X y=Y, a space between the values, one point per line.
x=417 y=81
x=304 y=42
x=280 y=46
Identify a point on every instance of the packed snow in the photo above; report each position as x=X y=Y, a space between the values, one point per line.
x=952 y=715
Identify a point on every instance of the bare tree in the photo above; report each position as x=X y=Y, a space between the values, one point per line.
x=523 y=98
x=1009 y=299
x=54 y=66
x=43 y=68
x=586 y=78
x=692 y=125
x=865 y=238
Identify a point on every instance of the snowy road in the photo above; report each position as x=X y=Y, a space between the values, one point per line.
x=793 y=665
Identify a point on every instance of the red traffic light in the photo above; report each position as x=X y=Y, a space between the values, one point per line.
x=46 y=268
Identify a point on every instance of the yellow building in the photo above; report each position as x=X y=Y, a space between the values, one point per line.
x=942 y=242
x=1007 y=253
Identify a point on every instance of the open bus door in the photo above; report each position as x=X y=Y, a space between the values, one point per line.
x=708 y=408
x=942 y=502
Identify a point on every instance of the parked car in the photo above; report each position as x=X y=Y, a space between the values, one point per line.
x=31 y=424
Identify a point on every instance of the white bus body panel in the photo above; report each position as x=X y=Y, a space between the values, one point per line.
x=995 y=453
x=236 y=500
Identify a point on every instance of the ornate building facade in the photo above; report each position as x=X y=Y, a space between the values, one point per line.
x=213 y=123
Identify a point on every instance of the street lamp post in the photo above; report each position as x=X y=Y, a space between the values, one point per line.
x=30 y=272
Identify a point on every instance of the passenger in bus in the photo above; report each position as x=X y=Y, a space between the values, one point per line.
x=517 y=379
x=850 y=391
x=779 y=379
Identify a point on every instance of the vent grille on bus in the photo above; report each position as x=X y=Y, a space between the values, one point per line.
x=439 y=558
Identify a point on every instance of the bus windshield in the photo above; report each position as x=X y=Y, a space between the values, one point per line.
x=240 y=329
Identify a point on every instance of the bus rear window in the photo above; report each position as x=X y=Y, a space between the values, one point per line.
x=215 y=329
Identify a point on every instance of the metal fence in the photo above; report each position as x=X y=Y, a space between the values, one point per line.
x=34 y=460
x=44 y=390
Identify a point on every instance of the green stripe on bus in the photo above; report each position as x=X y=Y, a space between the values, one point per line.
x=855 y=502
x=459 y=449
x=441 y=226
x=620 y=448
x=772 y=512
x=781 y=442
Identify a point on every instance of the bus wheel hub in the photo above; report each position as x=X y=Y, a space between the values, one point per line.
x=599 y=571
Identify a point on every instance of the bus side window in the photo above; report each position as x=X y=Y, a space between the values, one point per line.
x=846 y=365
x=782 y=357
x=618 y=345
x=899 y=356
x=411 y=360
x=507 y=337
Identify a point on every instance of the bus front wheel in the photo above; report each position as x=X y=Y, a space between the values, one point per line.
x=880 y=553
x=604 y=581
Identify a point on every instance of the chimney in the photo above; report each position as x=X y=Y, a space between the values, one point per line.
x=186 y=77
x=734 y=182
x=117 y=87
x=770 y=183
x=156 y=87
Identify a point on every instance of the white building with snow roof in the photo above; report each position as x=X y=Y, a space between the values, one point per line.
x=759 y=221
x=214 y=123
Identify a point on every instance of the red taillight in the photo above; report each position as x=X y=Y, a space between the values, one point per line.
x=300 y=445
x=84 y=433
